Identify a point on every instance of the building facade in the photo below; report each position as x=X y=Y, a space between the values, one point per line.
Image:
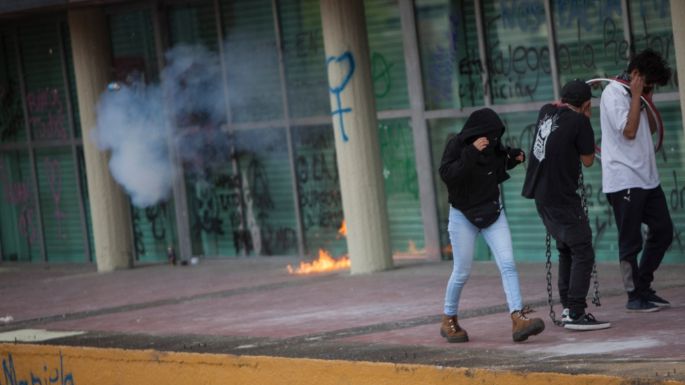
x=260 y=177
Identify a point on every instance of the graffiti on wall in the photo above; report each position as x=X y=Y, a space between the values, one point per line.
x=46 y=375
x=593 y=39
x=46 y=114
x=239 y=204
x=153 y=220
x=381 y=74
x=317 y=182
x=19 y=195
x=343 y=68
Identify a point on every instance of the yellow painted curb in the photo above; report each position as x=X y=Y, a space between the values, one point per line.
x=44 y=365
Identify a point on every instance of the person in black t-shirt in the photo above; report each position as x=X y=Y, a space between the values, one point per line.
x=563 y=138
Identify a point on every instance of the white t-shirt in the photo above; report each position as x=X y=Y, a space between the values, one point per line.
x=626 y=163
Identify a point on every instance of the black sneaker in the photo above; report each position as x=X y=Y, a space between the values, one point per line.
x=585 y=321
x=654 y=299
x=641 y=305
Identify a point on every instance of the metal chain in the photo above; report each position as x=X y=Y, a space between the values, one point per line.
x=595 y=294
x=548 y=266
x=583 y=202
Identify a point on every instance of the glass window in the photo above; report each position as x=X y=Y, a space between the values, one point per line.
x=12 y=128
x=60 y=206
x=153 y=231
x=267 y=188
x=133 y=46
x=672 y=174
x=193 y=24
x=590 y=41
x=401 y=187
x=241 y=204
x=517 y=51
x=19 y=222
x=304 y=56
x=450 y=60
x=71 y=79
x=319 y=189
x=652 y=28
x=45 y=94
x=384 y=30
x=251 y=60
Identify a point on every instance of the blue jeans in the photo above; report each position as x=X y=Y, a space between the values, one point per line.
x=463 y=238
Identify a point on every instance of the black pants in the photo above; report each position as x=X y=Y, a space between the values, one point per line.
x=632 y=208
x=570 y=228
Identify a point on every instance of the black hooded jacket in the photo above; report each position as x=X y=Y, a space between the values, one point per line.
x=472 y=177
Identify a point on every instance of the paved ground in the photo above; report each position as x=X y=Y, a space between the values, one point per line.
x=254 y=307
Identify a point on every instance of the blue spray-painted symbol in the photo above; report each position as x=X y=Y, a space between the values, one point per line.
x=347 y=56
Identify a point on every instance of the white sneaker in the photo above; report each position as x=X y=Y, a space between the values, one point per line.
x=566 y=315
x=586 y=322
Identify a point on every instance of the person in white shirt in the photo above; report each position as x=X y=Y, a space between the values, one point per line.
x=630 y=178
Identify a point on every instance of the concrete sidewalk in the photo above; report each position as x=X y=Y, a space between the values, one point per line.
x=253 y=307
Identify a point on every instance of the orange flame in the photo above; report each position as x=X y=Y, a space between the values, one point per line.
x=324 y=263
x=343 y=229
x=447 y=249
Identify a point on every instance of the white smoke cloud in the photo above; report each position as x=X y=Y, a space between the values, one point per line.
x=138 y=122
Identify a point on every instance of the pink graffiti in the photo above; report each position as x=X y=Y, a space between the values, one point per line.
x=26 y=226
x=43 y=100
x=18 y=194
x=46 y=114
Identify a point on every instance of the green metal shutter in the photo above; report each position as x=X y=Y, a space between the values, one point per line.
x=448 y=45
x=12 y=128
x=517 y=51
x=251 y=60
x=650 y=21
x=59 y=204
x=384 y=30
x=193 y=24
x=19 y=224
x=319 y=189
x=48 y=110
x=304 y=56
x=589 y=39
x=401 y=187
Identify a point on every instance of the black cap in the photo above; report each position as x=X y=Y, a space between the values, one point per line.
x=576 y=92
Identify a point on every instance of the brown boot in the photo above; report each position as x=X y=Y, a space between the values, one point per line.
x=451 y=331
x=524 y=327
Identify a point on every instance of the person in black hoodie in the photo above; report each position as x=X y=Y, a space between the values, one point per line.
x=473 y=165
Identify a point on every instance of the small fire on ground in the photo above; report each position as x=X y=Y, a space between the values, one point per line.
x=342 y=231
x=323 y=263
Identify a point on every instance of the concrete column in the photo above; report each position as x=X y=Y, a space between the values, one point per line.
x=109 y=206
x=677 y=16
x=422 y=145
x=353 y=110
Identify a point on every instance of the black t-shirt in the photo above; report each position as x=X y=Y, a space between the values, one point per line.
x=561 y=136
